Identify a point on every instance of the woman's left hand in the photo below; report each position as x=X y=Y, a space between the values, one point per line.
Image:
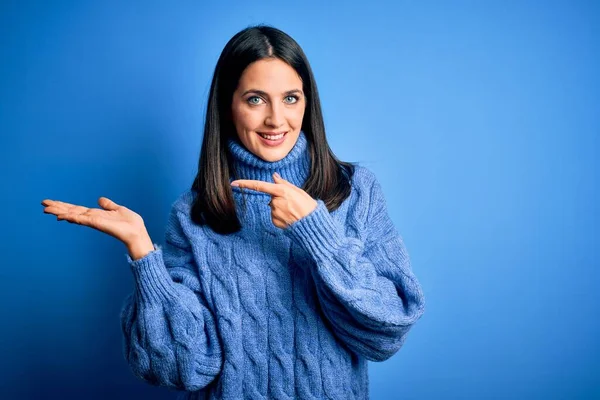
x=288 y=202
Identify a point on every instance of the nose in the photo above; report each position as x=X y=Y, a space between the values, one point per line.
x=275 y=117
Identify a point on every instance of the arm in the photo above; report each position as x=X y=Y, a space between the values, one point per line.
x=170 y=335
x=366 y=288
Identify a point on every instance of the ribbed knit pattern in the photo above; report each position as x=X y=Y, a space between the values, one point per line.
x=270 y=313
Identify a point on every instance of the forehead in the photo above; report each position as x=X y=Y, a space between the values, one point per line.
x=270 y=73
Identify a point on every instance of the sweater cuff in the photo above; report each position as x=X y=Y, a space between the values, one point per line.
x=153 y=283
x=318 y=233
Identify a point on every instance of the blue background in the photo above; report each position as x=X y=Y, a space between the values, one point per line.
x=481 y=119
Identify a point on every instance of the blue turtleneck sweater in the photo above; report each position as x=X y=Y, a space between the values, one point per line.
x=269 y=313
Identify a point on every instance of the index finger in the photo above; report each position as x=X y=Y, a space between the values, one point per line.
x=48 y=202
x=273 y=189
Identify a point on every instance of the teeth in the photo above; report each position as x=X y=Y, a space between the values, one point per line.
x=272 y=137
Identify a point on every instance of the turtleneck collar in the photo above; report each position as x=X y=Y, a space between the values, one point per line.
x=294 y=167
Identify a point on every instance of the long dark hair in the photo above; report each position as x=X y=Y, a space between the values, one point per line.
x=329 y=177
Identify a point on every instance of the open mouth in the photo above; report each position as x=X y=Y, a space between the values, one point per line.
x=272 y=140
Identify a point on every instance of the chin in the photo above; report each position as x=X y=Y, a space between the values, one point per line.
x=272 y=158
x=272 y=155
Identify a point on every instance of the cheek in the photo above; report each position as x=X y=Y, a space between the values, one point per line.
x=245 y=118
x=296 y=116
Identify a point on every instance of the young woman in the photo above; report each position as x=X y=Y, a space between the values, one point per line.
x=282 y=273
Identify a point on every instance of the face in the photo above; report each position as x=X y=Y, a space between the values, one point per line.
x=268 y=101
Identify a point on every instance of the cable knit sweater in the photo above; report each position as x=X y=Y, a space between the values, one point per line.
x=270 y=313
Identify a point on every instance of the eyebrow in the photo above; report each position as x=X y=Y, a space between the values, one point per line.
x=263 y=93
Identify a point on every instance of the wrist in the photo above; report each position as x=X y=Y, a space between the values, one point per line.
x=140 y=246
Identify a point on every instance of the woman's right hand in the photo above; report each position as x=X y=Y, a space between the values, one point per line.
x=113 y=219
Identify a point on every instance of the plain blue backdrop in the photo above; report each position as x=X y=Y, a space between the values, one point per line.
x=481 y=120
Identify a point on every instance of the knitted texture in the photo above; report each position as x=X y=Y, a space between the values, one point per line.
x=270 y=313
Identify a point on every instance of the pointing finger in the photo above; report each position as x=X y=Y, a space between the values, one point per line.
x=266 y=187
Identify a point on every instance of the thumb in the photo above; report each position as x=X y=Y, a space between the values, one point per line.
x=107 y=204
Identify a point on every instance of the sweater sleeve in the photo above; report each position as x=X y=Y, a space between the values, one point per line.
x=170 y=335
x=366 y=288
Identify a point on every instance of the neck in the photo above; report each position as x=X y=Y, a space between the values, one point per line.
x=294 y=167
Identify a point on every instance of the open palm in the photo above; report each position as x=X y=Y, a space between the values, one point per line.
x=113 y=219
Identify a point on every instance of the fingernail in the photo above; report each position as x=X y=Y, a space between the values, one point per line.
x=235 y=184
x=277 y=175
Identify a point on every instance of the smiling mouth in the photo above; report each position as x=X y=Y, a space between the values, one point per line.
x=273 y=137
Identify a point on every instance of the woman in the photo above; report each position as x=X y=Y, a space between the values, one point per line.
x=282 y=273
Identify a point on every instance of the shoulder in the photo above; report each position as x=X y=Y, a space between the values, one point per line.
x=366 y=186
x=369 y=205
x=368 y=201
x=363 y=178
x=181 y=209
x=179 y=224
x=183 y=203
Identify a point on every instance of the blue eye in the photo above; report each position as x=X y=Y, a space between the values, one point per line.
x=292 y=97
x=250 y=100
